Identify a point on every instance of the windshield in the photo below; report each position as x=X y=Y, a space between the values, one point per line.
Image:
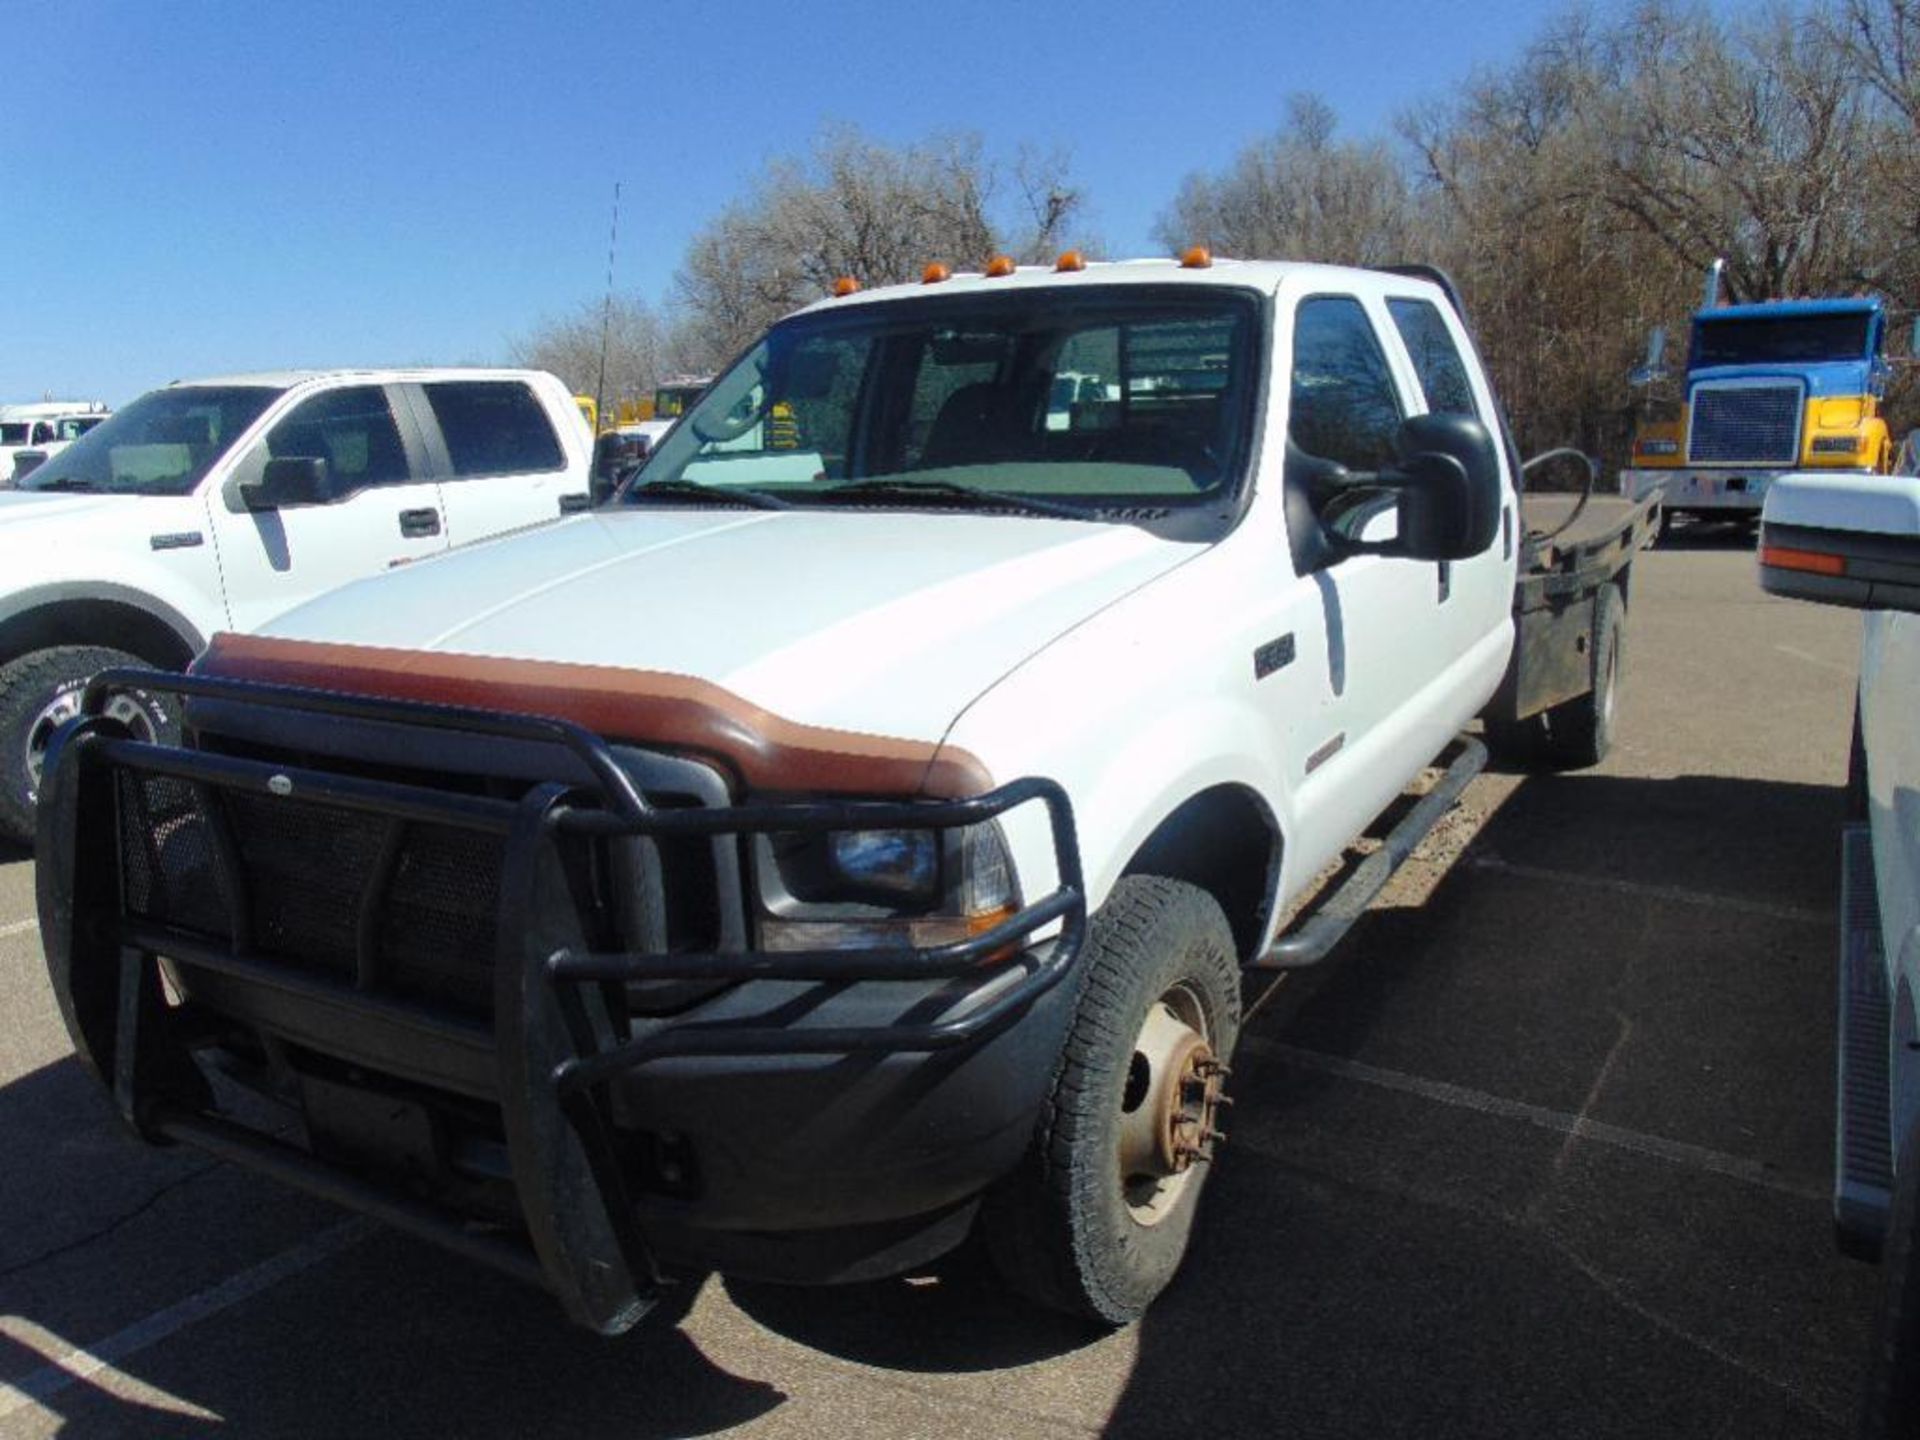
x=161 y=444
x=1782 y=338
x=670 y=402
x=1118 y=402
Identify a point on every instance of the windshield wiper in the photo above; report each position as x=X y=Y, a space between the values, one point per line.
x=719 y=494
x=968 y=495
x=73 y=483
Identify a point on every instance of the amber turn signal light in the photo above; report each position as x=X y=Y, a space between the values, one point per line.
x=1070 y=260
x=1196 y=257
x=1813 y=562
x=1000 y=265
x=934 y=274
x=844 y=286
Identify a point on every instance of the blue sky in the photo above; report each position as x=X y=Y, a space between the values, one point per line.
x=203 y=187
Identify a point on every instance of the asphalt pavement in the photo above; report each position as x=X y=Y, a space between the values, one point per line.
x=1543 y=1152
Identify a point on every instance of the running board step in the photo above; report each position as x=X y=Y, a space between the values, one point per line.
x=1311 y=941
x=1862 y=1132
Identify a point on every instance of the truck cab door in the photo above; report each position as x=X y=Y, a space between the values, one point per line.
x=1474 y=596
x=380 y=506
x=1380 y=702
x=500 y=462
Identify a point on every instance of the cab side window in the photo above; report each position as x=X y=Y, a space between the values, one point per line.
x=353 y=431
x=1344 y=406
x=494 y=427
x=1436 y=359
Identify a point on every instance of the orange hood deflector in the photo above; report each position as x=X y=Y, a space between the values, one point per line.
x=677 y=712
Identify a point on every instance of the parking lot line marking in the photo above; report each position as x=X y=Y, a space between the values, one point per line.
x=18 y=927
x=1674 y=1152
x=72 y=1365
x=1825 y=664
x=1643 y=891
x=43 y=1342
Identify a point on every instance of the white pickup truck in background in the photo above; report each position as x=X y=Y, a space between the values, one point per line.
x=883 y=858
x=1854 y=540
x=216 y=505
x=31 y=433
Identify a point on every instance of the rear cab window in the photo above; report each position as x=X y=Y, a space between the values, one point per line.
x=494 y=427
x=1436 y=358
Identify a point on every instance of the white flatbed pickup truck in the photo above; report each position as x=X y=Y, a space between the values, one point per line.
x=1854 y=540
x=214 y=505
x=856 y=832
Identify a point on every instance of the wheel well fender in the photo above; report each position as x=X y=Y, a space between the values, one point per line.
x=1226 y=841
x=163 y=640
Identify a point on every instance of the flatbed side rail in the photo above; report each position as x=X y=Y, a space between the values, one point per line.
x=558 y=1035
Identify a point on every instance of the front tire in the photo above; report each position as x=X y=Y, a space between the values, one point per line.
x=39 y=692
x=1095 y=1221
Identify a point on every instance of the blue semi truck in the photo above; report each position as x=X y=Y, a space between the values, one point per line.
x=1769 y=389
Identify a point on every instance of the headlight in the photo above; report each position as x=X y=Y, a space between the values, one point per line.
x=1836 y=444
x=1657 y=447
x=842 y=889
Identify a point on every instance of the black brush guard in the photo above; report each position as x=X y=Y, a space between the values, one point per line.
x=557 y=1039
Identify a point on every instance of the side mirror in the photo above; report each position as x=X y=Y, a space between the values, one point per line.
x=1436 y=508
x=25 y=462
x=1653 y=369
x=608 y=451
x=1449 y=485
x=1851 y=540
x=294 y=480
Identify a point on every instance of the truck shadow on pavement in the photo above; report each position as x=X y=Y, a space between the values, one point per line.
x=1545 y=1155
x=1380 y=1252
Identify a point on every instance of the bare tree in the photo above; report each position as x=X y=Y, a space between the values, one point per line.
x=1298 y=194
x=571 y=348
x=853 y=206
x=1741 y=142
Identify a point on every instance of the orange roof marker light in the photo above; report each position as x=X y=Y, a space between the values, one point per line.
x=1070 y=260
x=1196 y=257
x=1000 y=265
x=935 y=273
x=846 y=285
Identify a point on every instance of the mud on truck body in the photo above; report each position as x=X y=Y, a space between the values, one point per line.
x=850 y=835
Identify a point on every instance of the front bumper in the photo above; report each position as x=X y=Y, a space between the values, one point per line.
x=1732 y=491
x=860 y=1086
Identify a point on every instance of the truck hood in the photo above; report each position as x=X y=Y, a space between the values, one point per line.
x=20 y=509
x=887 y=623
x=1821 y=378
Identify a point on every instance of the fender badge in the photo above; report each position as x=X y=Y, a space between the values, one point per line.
x=1272 y=656
x=280 y=785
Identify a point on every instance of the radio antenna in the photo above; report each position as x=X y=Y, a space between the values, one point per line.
x=606 y=311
